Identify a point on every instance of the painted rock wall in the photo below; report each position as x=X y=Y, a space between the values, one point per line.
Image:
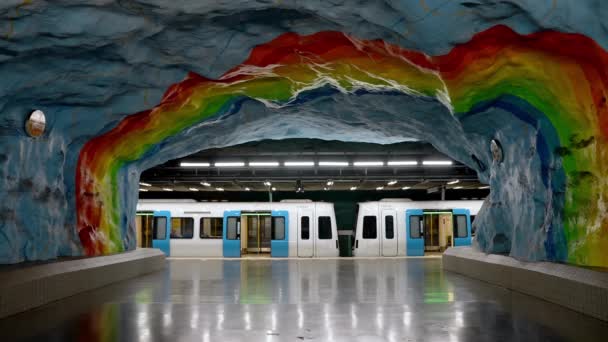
x=530 y=74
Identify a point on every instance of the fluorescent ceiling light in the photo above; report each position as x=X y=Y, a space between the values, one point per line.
x=193 y=164
x=325 y=189
x=247 y=189
x=453 y=182
x=402 y=162
x=299 y=163
x=405 y=188
x=457 y=187
x=393 y=182
x=369 y=163
x=484 y=187
x=353 y=188
x=219 y=189
x=267 y=183
x=229 y=164
x=380 y=188
x=333 y=163
x=144 y=184
x=274 y=189
x=144 y=190
x=193 y=189
x=263 y=164
x=167 y=189
x=330 y=183
x=205 y=184
x=437 y=162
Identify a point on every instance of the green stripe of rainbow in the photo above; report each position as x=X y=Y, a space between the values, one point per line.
x=564 y=76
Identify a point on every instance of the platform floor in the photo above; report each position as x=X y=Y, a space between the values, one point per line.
x=302 y=300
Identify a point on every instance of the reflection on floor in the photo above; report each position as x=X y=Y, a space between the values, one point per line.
x=296 y=300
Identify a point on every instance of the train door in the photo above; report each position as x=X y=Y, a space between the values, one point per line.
x=256 y=230
x=279 y=243
x=231 y=234
x=161 y=227
x=369 y=242
x=388 y=233
x=414 y=232
x=305 y=232
x=325 y=243
x=143 y=224
x=462 y=227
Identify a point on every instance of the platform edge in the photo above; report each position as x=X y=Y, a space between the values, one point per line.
x=580 y=289
x=32 y=287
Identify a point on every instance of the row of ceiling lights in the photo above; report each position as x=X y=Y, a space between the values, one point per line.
x=300 y=188
x=270 y=164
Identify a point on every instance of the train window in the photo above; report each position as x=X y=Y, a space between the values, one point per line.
x=232 y=228
x=211 y=228
x=389 y=228
x=278 y=228
x=182 y=227
x=369 y=227
x=305 y=227
x=324 y=228
x=460 y=226
x=160 y=228
x=415 y=227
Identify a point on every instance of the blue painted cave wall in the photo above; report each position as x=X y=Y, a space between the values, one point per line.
x=87 y=64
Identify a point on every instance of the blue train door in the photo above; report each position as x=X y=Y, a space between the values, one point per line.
x=462 y=227
x=279 y=243
x=161 y=231
x=415 y=232
x=232 y=234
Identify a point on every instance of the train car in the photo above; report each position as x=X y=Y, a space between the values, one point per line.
x=399 y=227
x=290 y=228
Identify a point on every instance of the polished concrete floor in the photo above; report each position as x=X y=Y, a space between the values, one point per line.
x=302 y=300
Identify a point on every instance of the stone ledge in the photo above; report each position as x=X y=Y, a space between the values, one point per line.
x=28 y=287
x=580 y=289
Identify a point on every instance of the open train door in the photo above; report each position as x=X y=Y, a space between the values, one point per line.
x=161 y=231
x=388 y=233
x=306 y=231
x=231 y=234
x=279 y=243
x=415 y=232
x=462 y=227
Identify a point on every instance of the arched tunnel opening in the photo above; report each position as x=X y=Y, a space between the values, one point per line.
x=280 y=171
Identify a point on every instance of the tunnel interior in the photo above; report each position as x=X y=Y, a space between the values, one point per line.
x=481 y=96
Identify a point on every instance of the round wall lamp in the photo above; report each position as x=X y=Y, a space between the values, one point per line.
x=35 y=124
x=496 y=149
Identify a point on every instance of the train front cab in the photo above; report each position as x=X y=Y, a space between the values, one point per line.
x=377 y=231
x=255 y=233
x=316 y=231
x=436 y=230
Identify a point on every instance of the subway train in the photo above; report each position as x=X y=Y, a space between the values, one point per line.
x=301 y=228
x=399 y=227
x=289 y=228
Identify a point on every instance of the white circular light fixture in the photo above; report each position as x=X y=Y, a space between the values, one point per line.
x=35 y=124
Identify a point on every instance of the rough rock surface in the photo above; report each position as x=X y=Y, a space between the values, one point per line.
x=89 y=64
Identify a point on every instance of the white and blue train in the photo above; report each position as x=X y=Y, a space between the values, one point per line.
x=185 y=228
x=301 y=228
x=400 y=227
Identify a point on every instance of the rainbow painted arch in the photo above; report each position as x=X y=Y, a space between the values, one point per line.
x=562 y=76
